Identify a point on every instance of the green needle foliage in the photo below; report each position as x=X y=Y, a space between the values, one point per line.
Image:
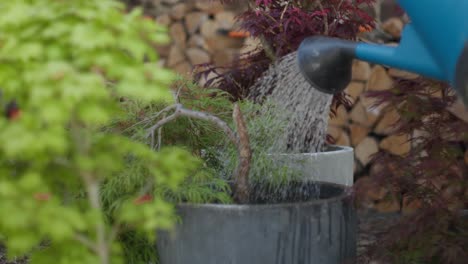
x=66 y=64
x=203 y=185
x=266 y=123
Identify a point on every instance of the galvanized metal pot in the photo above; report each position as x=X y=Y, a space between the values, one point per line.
x=321 y=231
x=334 y=165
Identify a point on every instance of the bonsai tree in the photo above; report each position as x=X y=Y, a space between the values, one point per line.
x=68 y=68
x=233 y=140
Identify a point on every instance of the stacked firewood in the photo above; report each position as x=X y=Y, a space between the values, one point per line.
x=369 y=127
x=201 y=32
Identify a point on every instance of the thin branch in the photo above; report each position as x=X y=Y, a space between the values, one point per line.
x=152 y=140
x=86 y=242
x=177 y=95
x=92 y=188
x=240 y=140
x=180 y=111
x=268 y=49
x=165 y=120
x=113 y=233
x=149 y=119
x=284 y=11
x=160 y=135
x=325 y=22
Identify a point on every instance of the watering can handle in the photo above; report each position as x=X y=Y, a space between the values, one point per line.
x=410 y=55
x=436 y=48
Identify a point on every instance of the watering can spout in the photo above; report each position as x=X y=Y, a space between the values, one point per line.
x=326 y=62
x=432 y=48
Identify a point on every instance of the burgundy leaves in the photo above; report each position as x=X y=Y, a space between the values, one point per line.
x=281 y=26
x=434 y=172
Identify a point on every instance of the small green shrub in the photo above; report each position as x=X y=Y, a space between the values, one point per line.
x=202 y=185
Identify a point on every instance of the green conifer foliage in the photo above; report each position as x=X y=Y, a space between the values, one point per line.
x=64 y=66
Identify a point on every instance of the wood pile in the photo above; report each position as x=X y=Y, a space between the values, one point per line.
x=198 y=33
x=368 y=127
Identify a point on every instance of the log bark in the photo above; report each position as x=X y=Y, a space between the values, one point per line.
x=207 y=6
x=360 y=115
x=393 y=26
x=175 y=57
x=379 y=80
x=197 y=56
x=197 y=41
x=184 y=68
x=358 y=133
x=341 y=118
x=387 y=124
x=209 y=29
x=397 y=144
x=360 y=71
x=178 y=35
x=164 y=20
x=194 y=20
x=225 y=19
x=354 y=90
x=178 y=11
x=335 y=132
x=344 y=140
x=366 y=149
x=402 y=74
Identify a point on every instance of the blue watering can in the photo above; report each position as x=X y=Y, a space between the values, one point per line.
x=434 y=44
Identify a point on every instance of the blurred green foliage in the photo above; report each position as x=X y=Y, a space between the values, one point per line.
x=67 y=64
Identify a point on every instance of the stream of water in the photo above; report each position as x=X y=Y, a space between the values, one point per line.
x=308 y=108
x=306 y=113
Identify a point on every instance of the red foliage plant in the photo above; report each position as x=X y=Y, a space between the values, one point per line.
x=434 y=175
x=281 y=26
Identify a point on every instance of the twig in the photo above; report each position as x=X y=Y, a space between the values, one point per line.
x=160 y=135
x=86 y=242
x=92 y=188
x=177 y=95
x=268 y=49
x=165 y=120
x=148 y=119
x=113 y=233
x=180 y=111
x=325 y=24
x=240 y=140
x=152 y=140
x=284 y=11
x=378 y=11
